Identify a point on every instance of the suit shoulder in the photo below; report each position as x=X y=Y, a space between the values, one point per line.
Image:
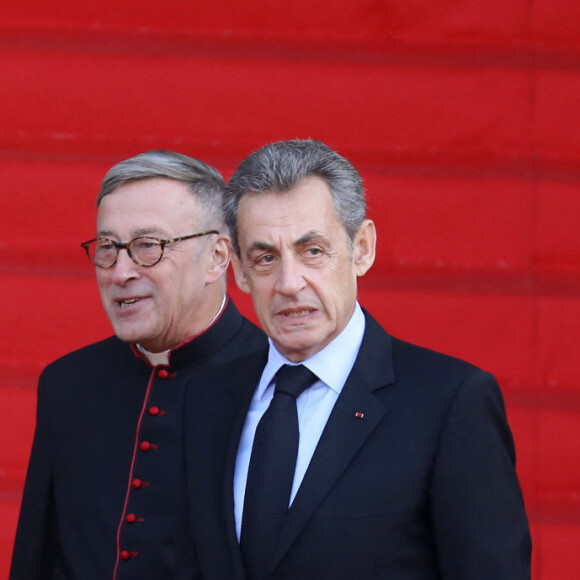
x=438 y=372
x=409 y=357
x=424 y=357
x=429 y=384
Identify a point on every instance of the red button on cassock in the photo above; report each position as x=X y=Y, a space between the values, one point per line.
x=131 y=518
x=125 y=554
x=163 y=374
x=154 y=410
x=136 y=483
x=145 y=445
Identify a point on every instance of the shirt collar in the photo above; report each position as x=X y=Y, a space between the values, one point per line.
x=331 y=365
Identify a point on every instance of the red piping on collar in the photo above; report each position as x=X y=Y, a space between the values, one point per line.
x=140 y=355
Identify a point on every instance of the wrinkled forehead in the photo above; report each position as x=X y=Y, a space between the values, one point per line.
x=292 y=217
x=148 y=207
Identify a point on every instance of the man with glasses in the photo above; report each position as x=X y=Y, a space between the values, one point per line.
x=104 y=495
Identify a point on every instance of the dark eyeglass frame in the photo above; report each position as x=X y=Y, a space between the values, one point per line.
x=127 y=246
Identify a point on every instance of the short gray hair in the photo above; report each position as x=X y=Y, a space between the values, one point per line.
x=282 y=166
x=205 y=182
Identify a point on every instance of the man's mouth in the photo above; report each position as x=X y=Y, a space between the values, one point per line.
x=128 y=302
x=296 y=313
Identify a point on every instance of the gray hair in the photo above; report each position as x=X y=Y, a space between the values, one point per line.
x=205 y=182
x=282 y=166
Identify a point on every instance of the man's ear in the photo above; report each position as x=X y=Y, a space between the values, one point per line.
x=241 y=280
x=219 y=259
x=364 y=247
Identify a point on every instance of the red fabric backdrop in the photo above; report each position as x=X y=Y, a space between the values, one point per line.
x=461 y=115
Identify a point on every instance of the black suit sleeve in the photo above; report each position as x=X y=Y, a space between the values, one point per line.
x=36 y=544
x=478 y=516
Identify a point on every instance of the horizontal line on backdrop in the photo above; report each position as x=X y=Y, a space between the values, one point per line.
x=437 y=279
x=525 y=53
x=533 y=166
x=562 y=398
x=556 y=509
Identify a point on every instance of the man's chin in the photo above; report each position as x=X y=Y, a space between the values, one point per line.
x=296 y=350
x=132 y=335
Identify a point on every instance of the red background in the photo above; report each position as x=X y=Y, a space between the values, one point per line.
x=462 y=116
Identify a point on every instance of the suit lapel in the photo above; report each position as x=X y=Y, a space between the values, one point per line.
x=346 y=431
x=242 y=385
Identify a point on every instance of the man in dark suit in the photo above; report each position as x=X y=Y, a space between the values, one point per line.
x=405 y=462
x=104 y=496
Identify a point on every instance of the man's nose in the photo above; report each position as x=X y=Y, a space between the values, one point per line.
x=290 y=277
x=125 y=268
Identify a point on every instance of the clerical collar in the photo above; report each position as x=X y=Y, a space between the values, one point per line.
x=162 y=358
x=155 y=358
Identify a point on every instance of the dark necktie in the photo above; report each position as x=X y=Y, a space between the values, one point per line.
x=271 y=471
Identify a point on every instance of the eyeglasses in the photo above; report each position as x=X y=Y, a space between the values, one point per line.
x=144 y=251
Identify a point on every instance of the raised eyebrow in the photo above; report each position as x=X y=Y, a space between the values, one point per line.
x=308 y=238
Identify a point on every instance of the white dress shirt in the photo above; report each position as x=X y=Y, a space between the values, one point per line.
x=331 y=365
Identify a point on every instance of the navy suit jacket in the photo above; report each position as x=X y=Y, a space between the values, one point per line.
x=421 y=486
